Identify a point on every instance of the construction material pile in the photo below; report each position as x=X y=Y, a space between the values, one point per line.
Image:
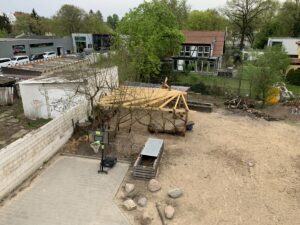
x=247 y=105
x=239 y=103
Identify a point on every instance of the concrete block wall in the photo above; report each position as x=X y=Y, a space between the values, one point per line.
x=23 y=157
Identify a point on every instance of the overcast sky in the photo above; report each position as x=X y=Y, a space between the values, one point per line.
x=107 y=7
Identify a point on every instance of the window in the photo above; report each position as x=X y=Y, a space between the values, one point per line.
x=4 y=60
x=204 y=51
x=185 y=51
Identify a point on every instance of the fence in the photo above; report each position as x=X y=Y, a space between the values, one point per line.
x=23 y=157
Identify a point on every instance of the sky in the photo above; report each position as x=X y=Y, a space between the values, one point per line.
x=107 y=7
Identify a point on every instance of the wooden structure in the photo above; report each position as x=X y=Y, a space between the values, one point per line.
x=146 y=165
x=162 y=99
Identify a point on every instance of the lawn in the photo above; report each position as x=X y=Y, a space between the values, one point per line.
x=227 y=83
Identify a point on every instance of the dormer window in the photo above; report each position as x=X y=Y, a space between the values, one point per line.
x=204 y=51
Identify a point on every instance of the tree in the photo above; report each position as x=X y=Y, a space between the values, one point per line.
x=93 y=24
x=206 y=20
x=112 y=21
x=289 y=17
x=270 y=68
x=243 y=15
x=69 y=19
x=5 y=25
x=180 y=9
x=149 y=33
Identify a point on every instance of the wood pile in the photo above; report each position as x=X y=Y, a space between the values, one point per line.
x=247 y=105
x=239 y=103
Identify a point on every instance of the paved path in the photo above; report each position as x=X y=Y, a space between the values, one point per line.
x=69 y=192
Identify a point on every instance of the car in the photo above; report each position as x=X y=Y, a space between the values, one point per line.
x=5 y=62
x=49 y=55
x=20 y=59
x=36 y=57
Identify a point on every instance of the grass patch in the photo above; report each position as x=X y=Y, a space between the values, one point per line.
x=33 y=124
x=227 y=83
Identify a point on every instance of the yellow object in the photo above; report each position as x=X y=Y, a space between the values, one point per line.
x=273 y=95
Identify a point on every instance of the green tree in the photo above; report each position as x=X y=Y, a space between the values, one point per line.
x=112 y=21
x=5 y=25
x=150 y=33
x=180 y=9
x=289 y=17
x=69 y=19
x=93 y=24
x=206 y=20
x=243 y=16
x=270 y=68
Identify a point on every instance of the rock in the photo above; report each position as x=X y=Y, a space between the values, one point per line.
x=122 y=196
x=129 y=204
x=129 y=187
x=175 y=193
x=169 y=212
x=142 y=201
x=2 y=142
x=154 y=185
x=13 y=120
x=146 y=219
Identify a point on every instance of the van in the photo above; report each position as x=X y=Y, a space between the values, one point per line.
x=20 y=59
x=5 y=62
x=49 y=55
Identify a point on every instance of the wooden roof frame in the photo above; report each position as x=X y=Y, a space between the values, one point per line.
x=161 y=99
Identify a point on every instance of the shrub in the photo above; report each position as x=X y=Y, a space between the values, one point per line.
x=293 y=77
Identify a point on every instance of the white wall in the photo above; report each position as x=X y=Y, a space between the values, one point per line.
x=23 y=157
x=88 y=38
x=49 y=100
x=288 y=43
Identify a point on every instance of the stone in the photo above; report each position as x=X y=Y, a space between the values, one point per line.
x=2 y=142
x=19 y=134
x=175 y=193
x=146 y=219
x=154 y=185
x=129 y=204
x=169 y=211
x=13 y=121
x=129 y=187
x=142 y=201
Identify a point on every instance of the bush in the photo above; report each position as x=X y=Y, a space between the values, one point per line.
x=293 y=77
x=200 y=87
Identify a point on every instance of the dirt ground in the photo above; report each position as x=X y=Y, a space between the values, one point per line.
x=232 y=169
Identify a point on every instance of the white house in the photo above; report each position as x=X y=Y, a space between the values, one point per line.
x=82 y=41
x=289 y=44
x=50 y=95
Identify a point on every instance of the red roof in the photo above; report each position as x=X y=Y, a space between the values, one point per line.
x=206 y=37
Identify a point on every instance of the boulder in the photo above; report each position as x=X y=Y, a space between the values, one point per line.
x=129 y=187
x=175 y=193
x=154 y=185
x=142 y=201
x=129 y=204
x=169 y=212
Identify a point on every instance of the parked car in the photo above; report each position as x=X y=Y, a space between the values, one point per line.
x=20 y=59
x=49 y=55
x=5 y=62
x=36 y=57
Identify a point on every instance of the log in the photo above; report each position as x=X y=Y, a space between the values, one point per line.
x=160 y=213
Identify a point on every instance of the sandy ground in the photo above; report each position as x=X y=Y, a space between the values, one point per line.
x=211 y=165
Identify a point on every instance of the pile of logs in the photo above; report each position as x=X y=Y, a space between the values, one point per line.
x=294 y=103
x=239 y=103
x=247 y=105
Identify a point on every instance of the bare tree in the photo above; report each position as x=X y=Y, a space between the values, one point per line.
x=243 y=15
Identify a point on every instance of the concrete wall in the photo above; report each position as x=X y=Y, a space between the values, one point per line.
x=23 y=157
x=49 y=99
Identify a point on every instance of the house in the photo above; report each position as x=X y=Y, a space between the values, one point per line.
x=202 y=51
x=291 y=46
x=48 y=96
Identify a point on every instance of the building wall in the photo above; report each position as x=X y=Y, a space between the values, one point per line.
x=288 y=43
x=87 y=38
x=49 y=100
x=23 y=157
x=7 y=46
